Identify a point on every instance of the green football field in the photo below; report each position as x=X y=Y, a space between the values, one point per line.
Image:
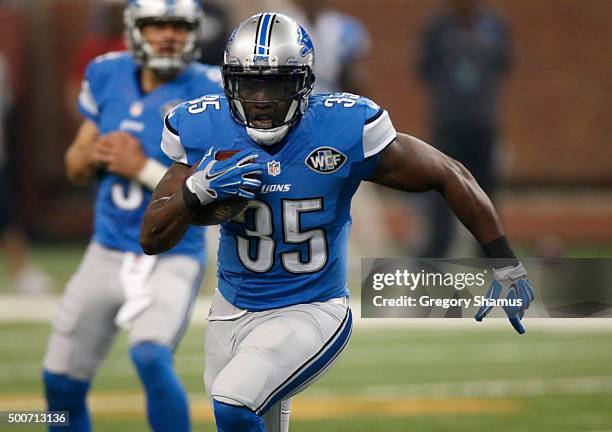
x=389 y=379
x=472 y=377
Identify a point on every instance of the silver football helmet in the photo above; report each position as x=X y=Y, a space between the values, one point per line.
x=268 y=75
x=140 y=12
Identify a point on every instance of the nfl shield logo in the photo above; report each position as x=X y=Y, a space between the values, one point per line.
x=274 y=168
x=136 y=109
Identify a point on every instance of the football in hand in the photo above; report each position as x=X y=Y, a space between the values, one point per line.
x=219 y=211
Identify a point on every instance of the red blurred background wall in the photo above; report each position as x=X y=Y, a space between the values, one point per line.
x=555 y=106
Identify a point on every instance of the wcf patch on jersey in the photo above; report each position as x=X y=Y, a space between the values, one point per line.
x=325 y=160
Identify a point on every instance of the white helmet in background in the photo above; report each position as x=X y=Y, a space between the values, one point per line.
x=269 y=51
x=141 y=12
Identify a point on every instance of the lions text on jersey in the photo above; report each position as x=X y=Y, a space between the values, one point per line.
x=113 y=99
x=290 y=245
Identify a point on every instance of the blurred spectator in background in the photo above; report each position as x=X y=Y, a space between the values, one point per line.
x=464 y=54
x=214 y=34
x=342 y=43
x=27 y=278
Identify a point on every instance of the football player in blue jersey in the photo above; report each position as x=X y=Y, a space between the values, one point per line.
x=280 y=317
x=124 y=99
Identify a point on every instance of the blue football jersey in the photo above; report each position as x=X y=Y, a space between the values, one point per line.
x=112 y=98
x=290 y=245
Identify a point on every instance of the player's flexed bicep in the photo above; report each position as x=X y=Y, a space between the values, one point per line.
x=411 y=165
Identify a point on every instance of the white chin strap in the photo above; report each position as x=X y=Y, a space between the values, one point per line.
x=268 y=137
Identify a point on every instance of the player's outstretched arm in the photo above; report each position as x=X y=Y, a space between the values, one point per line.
x=167 y=216
x=411 y=165
x=81 y=164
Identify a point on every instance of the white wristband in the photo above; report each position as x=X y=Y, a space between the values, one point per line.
x=151 y=173
x=510 y=272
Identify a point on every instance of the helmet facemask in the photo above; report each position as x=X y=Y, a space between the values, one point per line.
x=267 y=98
x=267 y=75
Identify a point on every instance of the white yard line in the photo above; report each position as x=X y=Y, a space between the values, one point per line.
x=483 y=388
x=15 y=308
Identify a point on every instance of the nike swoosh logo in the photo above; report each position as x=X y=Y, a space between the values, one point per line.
x=220 y=173
x=208 y=177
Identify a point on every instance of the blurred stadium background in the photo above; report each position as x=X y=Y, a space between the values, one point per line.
x=555 y=163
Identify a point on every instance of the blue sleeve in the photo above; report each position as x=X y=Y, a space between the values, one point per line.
x=89 y=97
x=185 y=129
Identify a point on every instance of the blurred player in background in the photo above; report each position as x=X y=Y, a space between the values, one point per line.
x=342 y=42
x=281 y=317
x=342 y=45
x=26 y=277
x=124 y=98
x=105 y=33
x=464 y=55
x=213 y=34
